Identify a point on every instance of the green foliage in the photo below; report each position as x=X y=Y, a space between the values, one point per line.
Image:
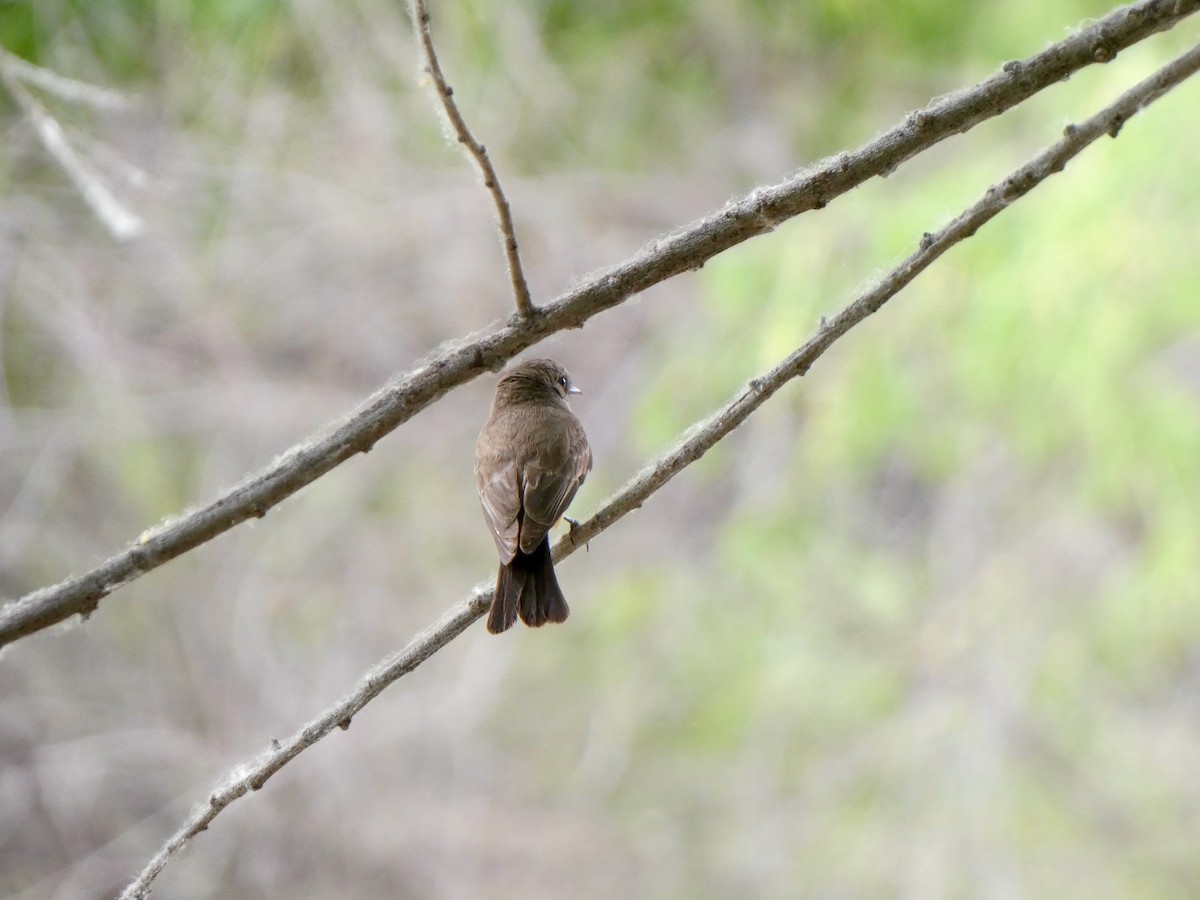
x=131 y=39
x=19 y=31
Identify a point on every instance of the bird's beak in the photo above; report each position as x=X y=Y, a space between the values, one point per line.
x=574 y=390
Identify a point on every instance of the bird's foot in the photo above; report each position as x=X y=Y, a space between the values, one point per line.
x=572 y=524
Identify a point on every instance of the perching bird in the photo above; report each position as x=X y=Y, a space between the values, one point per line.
x=531 y=457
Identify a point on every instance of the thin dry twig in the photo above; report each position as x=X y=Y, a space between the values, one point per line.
x=687 y=249
x=62 y=87
x=121 y=224
x=694 y=443
x=420 y=16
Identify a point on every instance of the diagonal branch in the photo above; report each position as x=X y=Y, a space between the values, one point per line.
x=688 y=248
x=420 y=16
x=695 y=442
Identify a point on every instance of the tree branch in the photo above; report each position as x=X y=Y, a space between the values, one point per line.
x=686 y=249
x=420 y=17
x=695 y=442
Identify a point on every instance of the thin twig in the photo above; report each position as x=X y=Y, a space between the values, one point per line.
x=688 y=248
x=121 y=224
x=695 y=442
x=64 y=88
x=491 y=180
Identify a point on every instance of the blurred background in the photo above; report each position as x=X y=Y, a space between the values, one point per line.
x=927 y=626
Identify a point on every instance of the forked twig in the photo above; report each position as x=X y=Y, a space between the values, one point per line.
x=694 y=443
x=477 y=150
x=121 y=224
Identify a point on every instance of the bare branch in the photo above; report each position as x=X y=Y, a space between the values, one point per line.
x=420 y=16
x=687 y=249
x=121 y=224
x=702 y=436
x=695 y=442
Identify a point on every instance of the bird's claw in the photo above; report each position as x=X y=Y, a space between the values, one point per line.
x=572 y=524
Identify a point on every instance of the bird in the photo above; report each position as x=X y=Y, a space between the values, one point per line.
x=531 y=457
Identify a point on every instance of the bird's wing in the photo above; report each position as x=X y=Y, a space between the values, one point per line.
x=549 y=488
x=500 y=496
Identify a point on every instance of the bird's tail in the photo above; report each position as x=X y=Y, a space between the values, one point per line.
x=527 y=587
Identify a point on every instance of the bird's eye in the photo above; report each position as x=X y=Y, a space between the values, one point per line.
x=562 y=379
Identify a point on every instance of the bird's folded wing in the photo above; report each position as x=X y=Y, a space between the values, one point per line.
x=549 y=490
x=500 y=496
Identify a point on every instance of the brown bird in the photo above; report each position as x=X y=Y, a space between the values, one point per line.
x=531 y=457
